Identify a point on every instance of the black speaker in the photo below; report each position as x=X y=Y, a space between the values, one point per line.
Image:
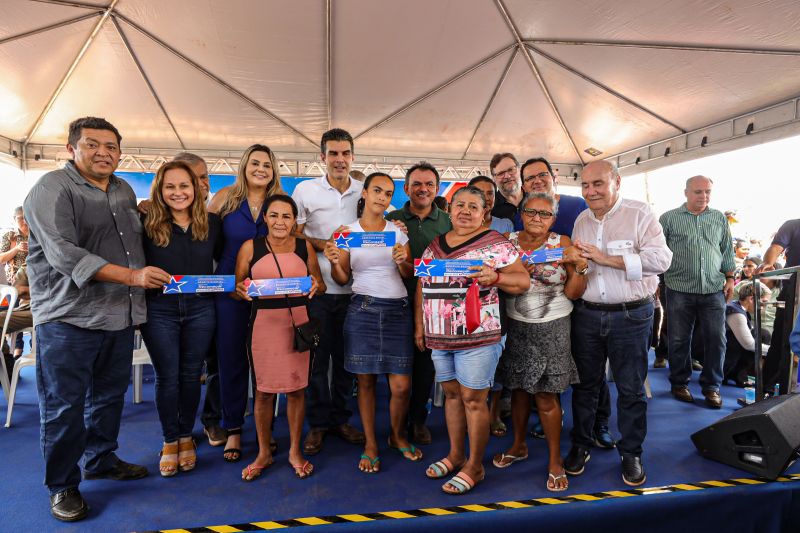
x=762 y=438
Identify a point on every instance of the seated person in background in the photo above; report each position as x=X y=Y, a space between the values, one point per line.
x=740 y=348
x=746 y=273
x=741 y=251
x=21 y=318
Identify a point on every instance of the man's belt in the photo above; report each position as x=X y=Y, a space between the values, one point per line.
x=617 y=307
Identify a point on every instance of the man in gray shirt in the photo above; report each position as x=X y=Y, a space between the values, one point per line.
x=87 y=278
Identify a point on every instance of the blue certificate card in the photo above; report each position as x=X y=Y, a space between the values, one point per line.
x=543 y=256
x=196 y=284
x=365 y=239
x=271 y=287
x=424 y=268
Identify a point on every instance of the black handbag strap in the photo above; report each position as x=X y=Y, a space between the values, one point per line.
x=280 y=273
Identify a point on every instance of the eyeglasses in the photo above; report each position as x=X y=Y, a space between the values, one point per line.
x=543 y=215
x=506 y=172
x=540 y=175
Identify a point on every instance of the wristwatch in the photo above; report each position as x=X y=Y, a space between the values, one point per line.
x=583 y=271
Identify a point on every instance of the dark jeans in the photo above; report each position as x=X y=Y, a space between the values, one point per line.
x=326 y=399
x=622 y=337
x=212 y=406
x=81 y=376
x=233 y=317
x=709 y=312
x=776 y=366
x=178 y=333
x=422 y=375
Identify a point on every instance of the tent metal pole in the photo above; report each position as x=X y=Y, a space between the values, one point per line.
x=329 y=57
x=535 y=70
x=435 y=90
x=69 y=3
x=147 y=80
x=677 y=47
x=69 y=72
x=606 y=88
x=50 y=27
x=215 y=78
x=486 y=109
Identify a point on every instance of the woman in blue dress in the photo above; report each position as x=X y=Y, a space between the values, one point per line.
x=241 y=208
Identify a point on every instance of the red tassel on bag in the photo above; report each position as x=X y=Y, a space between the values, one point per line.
x=472 y=304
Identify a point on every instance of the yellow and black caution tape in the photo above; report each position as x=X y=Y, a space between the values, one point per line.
x=475 y=508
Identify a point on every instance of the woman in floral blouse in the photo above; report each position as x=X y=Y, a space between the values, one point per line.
x=14 y=246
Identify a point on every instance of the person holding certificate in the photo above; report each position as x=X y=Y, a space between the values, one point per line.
x=377 y=328
x=537 y=360
x=181 y=237
x=462 y=319
x=278 y=366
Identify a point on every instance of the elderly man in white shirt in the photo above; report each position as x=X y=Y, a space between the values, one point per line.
x=626 y=249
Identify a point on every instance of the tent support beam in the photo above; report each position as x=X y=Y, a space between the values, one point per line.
x=329 y=57
x=435 y=90
x=69 y=3
x=146 y=80
x=486 y=109
x=50 y=27
x=68 y=74
x=535 y=70
x=215 y=78
x=666 y=46
x=606 y=88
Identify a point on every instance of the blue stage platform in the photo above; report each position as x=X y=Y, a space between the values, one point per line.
x=681 y=493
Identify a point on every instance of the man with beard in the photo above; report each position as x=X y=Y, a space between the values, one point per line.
x=504 y=170
x=425 y=222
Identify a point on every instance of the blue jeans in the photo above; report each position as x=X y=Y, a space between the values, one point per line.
x=326 y=400
x=178 y=335
x=81 y=376
x=709 y=311
x=622 y=337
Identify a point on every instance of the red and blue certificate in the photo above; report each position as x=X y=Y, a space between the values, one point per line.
x=365 y=239
x=188 y=284
x=424 y=268
x=548 y=255
x=279 y=286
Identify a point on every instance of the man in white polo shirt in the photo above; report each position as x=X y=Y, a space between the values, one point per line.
x=323 y=205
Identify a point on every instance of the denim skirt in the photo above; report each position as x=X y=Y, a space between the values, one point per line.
x=378 y=336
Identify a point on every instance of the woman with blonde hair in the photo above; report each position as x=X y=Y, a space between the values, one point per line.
x=181 y=237
x=241 y=207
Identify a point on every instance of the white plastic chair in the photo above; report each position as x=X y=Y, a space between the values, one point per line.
x=26 y=359
x=141 y=357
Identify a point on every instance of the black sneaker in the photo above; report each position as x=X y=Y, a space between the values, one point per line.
x=121 y=471
x=576 y=460
x=632 y=470
x=68 y=505
x=603 y=438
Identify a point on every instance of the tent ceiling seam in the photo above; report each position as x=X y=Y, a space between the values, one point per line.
x=486 y=109
x=230 y=88
x=68 y=74
x=146 y=79
x=665 y=46
x=329 y=57
x=535 y=70
x=450 y=81
x=54 y=26
x=605 y=88
x=67 y=3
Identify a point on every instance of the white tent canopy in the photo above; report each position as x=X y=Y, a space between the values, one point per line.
x=449 y=80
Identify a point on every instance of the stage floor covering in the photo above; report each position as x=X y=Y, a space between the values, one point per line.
x=400 y=498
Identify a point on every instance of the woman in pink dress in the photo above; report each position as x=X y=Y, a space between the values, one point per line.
x=277 y=367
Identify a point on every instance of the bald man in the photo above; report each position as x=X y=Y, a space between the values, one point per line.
x=699 y=283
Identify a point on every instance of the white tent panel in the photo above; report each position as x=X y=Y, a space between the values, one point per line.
x=734 y=23
x=31 y=70
x=719 y=85
x=386 y=54
x=270 y=51
x=520 y=121
x=596 y=118
x=21 y=16
x=123 y=98
x=440 y=125
x=205 y=114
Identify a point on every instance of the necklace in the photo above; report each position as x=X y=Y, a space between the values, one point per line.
x=254 y=209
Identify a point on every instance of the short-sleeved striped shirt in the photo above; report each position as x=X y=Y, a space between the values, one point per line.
x=702 y=250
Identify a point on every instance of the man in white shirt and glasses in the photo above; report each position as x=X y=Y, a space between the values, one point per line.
x=626 y=249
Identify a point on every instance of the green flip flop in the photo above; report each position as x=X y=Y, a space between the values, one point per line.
x=372 y=463
x=410 y=449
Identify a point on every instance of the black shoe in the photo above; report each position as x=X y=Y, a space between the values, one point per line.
x=603 y=438
x=576 y=460
x=696 y=365
x=121 y=471
x=632 y=470
x=68 y=505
